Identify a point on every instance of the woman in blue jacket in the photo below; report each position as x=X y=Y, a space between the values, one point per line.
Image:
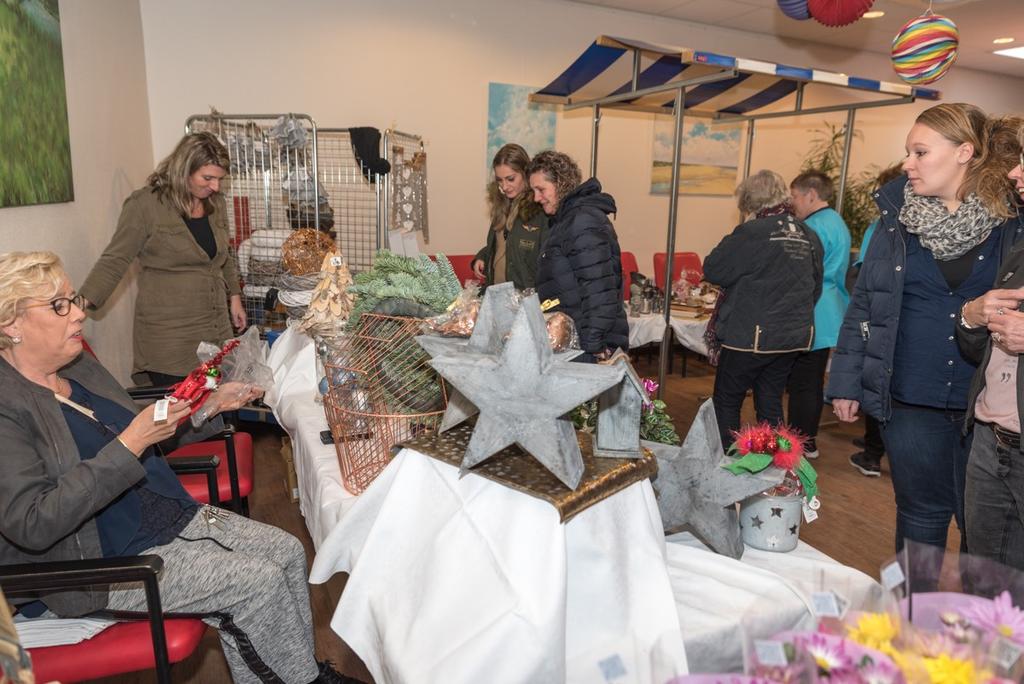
x=941 y=233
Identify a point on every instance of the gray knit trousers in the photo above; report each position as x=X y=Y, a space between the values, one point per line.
x=254 y=594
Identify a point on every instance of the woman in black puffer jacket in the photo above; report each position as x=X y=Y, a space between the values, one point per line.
x=580 y=262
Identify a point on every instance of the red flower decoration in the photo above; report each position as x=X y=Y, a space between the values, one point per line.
x=790 y=448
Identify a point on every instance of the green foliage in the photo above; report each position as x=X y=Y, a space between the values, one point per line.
x=826 y=155
x=397 y=278
x=655 y=424
x=34 y=134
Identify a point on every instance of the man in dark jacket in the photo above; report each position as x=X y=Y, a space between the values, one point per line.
x=580 y=262
x=770 y=269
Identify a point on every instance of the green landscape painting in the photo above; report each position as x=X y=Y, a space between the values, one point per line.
x=35 y=146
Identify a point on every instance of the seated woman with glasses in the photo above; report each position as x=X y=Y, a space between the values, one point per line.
x=79 y=478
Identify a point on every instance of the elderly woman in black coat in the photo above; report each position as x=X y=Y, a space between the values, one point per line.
x=770 y=268
x=580 y=262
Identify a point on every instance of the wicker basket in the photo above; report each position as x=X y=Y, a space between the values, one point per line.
x=383 y=392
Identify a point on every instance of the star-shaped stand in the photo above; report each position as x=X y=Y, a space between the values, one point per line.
x=522 y=394
x=695 y=491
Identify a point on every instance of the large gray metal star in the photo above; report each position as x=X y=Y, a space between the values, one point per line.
x=493 y=324
x=522 y=394
x=695 y=491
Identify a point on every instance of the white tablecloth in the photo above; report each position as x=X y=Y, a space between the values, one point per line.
x=323 y=498
x=415 y=612
x=649 y=328
x=465 y=580
x=722 y=601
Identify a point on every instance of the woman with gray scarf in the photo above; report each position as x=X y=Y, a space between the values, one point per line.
x=942 y=232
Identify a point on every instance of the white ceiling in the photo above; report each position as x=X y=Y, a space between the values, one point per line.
x=979 y=21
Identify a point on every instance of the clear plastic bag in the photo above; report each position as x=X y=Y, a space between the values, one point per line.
x=246 y=365
x=460 y=318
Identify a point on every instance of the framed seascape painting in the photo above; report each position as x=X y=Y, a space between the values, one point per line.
x=709 y=154
x=511 y=118
x=35 y=142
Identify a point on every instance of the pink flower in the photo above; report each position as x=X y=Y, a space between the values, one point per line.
x=998 y=617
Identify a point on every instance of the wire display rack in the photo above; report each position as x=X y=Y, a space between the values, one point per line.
x=356 y=195
x=382 y=392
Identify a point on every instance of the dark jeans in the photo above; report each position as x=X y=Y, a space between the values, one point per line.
x=874 y=447
x=806 y=387
x=740 y=371
x=928 y=461
x=994 y=500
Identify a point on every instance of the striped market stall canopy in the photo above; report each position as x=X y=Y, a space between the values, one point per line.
x=609 y=67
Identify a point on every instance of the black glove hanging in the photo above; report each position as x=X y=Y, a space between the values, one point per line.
x=366 y=147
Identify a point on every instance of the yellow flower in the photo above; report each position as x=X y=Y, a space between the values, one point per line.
x=874 y=630
x=946 y=670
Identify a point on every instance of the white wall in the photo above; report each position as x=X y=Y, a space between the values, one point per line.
x=425 y=66
x=111 y=154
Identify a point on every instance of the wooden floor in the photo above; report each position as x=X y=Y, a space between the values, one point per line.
x=856 y=526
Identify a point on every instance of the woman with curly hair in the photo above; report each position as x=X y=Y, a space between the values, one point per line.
x=517 y=224
x=944 y=228
x=991 y=332
x=580 y=262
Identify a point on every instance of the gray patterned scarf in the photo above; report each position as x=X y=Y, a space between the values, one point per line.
x=947 y=235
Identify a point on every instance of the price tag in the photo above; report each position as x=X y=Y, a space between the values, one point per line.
x=892 y=576
x=814 y=503
x=829 y=604
x=160 y=410
x=336 y=261
x=825 y=604
x=771 y=653
x=1005 y=653
x=810 y=515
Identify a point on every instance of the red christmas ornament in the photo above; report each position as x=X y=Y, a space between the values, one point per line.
x=838 y=12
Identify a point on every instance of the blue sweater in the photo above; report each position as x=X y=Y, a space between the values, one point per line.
x=831 y=305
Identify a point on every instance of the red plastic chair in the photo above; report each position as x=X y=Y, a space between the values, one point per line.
x=680 y=260
x=153 y=643
x=629 y=266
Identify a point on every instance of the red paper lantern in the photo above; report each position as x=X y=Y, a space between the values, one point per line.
x=838 y=12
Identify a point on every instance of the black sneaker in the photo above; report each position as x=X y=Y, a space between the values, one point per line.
x=328 y=675
x=865 y=464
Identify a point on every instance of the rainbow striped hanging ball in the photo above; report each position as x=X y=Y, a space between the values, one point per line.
x=925 y=48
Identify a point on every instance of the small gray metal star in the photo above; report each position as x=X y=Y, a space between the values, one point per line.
x=522 y=394
x=695 y=491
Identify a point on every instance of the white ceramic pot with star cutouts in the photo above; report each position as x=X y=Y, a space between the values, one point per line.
x=770 y=523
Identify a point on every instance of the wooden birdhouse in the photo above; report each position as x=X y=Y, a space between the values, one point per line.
x=619 y=411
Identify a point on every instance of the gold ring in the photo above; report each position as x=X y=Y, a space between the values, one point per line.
x=996 y=336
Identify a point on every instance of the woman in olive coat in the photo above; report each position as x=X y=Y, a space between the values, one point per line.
x=517 y=227
x=177 y=227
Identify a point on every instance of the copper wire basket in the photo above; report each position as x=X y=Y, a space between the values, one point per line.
x=384 y=392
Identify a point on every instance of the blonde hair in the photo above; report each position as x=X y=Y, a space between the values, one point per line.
x=762 y=190
x=994 y=141
x=193 y=152
x=517 y=159
x=24 y=276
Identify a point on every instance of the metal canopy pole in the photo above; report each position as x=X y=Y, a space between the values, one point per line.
x=847 y=144
x=750 y=148
x=594 y=130
x=670 y=242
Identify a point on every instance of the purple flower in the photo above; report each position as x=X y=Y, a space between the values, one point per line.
x=650 y=386
x=998 y=617
x=828 y=654
x=882 y=672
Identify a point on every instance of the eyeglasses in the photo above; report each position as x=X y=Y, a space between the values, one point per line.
x=62 y=305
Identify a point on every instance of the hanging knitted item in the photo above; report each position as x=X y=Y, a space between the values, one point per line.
x=838 y=12
x=795 y=9
x=925 y=48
